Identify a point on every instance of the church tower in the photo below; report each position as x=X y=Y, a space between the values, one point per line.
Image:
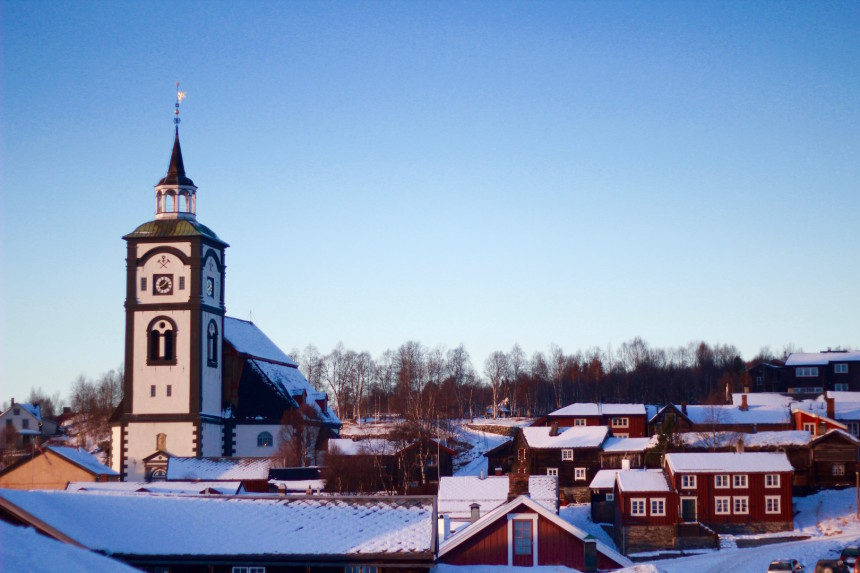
x=174 y=328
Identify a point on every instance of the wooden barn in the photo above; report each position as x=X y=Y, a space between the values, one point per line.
x=833 y=459
x=522 y=532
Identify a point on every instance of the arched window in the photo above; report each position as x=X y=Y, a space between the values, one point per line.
x=264 y=440
x=212 y=344
x=161 y=341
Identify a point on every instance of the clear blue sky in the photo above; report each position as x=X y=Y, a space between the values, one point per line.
x=486 y=173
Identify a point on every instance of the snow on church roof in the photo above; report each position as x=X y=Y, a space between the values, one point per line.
x=195 y=525
x=218 y=469
x=248 y=339
x=574 y=437
x=747 y=462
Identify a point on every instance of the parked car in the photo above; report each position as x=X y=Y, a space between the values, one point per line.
x=831 y=566
x=786 y=566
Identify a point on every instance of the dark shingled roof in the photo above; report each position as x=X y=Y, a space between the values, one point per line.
x=176 y=170
x=173 y=228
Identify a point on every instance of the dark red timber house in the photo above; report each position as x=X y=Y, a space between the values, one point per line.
x=625 y=420
x=646 y=510
x=522 y=532
x=739 y=493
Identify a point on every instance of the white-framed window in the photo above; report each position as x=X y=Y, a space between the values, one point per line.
x=722 y=505
x=579 y=474
x=251 y=569
x=806 y=371
x=620 y=422
x=771 y=480
x=432 y=460
x=658 y=506
x=853 y=428
x=840 y=368
x=567 y=455
x=610 y=497
x=739 y=481
x=523 y=537
x=688 y=482
x=359 y=569
x=721 y=481
x=839 y=469
x=552 y=472
x=521 y=454
x=742 y=504
x=841 y=387
x=809 y=427
x=579 y=421
x=617 y=435
x=771 y=504
x=637 y=506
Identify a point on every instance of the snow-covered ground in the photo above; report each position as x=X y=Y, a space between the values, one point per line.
x=471 y=461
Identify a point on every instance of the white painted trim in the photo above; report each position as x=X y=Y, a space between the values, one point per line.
x=651 y=502
x=746 y=499
x=778 y=504
x=728 y=501
x=775 y=483
x=533 y=517
x=634 y=501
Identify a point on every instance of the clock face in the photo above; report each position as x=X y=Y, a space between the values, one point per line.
x=210 y=287
x=162 y=284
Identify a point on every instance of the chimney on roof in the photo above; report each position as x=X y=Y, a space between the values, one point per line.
x=476 y=512
x=739 y=445
x=446 y=530
x=553 y=430
x=13 y=401
x=498 y=470
x=517 y=485
x=744 y=404
x=684 y=408
x=482 y=475
x=831 y=407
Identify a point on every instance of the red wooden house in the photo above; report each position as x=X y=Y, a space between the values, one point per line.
x=733 y=492
x=625 y=420
x=525 y=533
x=646 y=511
x=816 y=417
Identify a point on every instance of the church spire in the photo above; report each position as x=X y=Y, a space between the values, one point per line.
x=175 y=194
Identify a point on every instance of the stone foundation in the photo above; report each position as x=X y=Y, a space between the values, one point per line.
x=638 y=538
x=752 y=528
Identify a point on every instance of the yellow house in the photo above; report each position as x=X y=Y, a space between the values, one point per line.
x=53 y=468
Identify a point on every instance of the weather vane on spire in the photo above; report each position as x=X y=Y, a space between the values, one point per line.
x=179 y=97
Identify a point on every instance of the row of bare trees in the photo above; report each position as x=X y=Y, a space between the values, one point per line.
x=421 y=383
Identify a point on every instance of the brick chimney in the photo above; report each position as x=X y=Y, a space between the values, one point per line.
x=517 y=485
x=831 y=407
x=744 y=405
x=498 y=470
x=553 y=429
x=476 y=512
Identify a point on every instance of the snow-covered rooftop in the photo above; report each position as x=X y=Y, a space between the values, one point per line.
x=194 y=525
x=246 y=338
x=175 y=487
x=573 y=437
x=726 y=415
x=618 y=445
x=642 y=480
x=22 y=549
x=594 y=409
x=458 y=493
x=763 y=399
x=603 y=479
x=757 y=440
x=821 y=358
x=84 y=460
x=218 y=469
x=747 y=462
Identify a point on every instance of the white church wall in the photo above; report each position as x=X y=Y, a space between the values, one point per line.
x=213 y=440
x=211 y=375
x=142 y=442
x=176 y=376
x=246 y=440
x=164 y=264
x=116 y=448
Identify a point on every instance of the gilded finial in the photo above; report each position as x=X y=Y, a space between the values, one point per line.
x=179 y=97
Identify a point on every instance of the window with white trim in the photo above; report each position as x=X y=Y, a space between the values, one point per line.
x=742 y=504
x=839 y=469
x=610 y=497
x=579 y=474
x=806 y=371
x=721 y=481
x=579 y=421
x=251 y=569
x=617 y=435
x=739 y=481
x=658 y=506
x=722 y=505
x=359 y=569
x=620 y=422
x=688 y=482
x=809 y=427
x=522 y=537
x=840 y=369
x=567 y=455
x=637 y=506
x=771 y=504
x=841 y=387
x=853 y=428
x=552 y=472
x=771 y=480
